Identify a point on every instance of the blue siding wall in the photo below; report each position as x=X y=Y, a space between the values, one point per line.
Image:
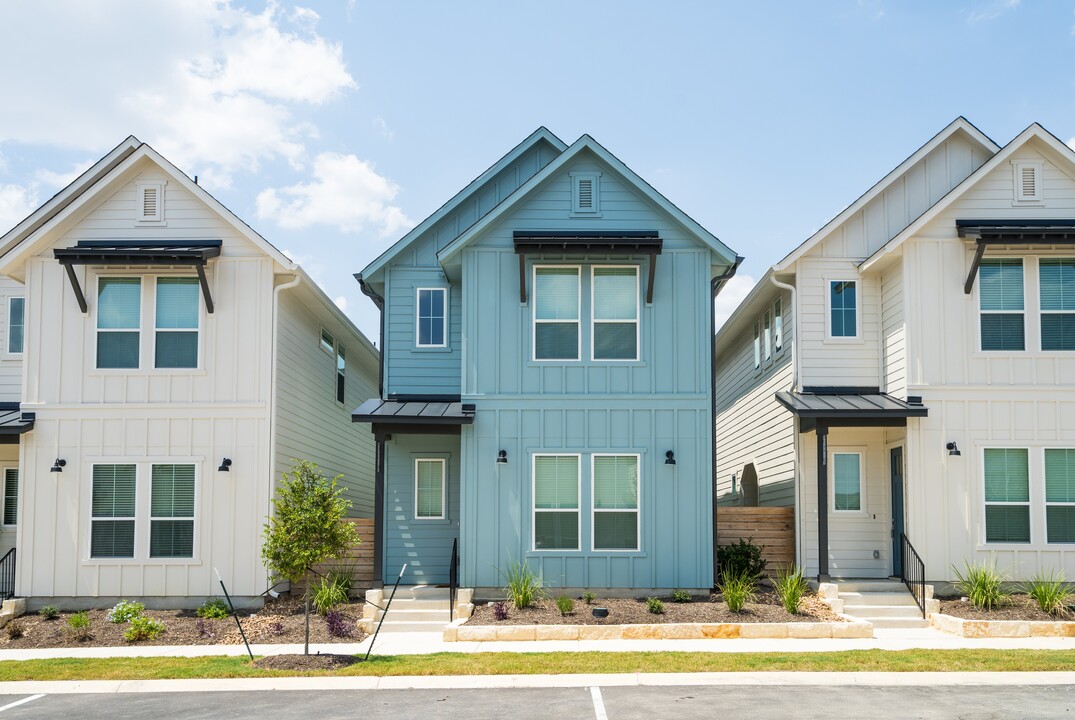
x=425 y=545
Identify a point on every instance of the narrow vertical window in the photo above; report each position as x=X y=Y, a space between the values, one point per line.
x=768 y=323
x=843 y=309
x=1000 y=298
x=1059 y=496
x=328 y=343
x=1007 y=495
x=112 y=512
x=119 y=316
x=16 y=324
x=11 y=496
x=757 y=347
x=171 y=523
x=847 y=482
x=1057 y=282
x=615 y=502
x=432 y=328
x=556 y=502
x=778 y=325
x=177 y=310
x=556 y=313
x=429 y=488
x=615 y=313
x=341 y=374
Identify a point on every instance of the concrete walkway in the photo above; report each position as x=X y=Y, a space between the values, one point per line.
x=428 y=643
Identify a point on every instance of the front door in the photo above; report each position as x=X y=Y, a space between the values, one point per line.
x=896 y=473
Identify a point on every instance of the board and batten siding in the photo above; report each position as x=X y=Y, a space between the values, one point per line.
x=310 y=424
x=893 y=332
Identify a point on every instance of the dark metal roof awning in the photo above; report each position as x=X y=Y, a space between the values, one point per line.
x=14 y=422
x=581 y=242
x=414 y=416
x=851 y=408
x=1012 y=232
x=139 y=253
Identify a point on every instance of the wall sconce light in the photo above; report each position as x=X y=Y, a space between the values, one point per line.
x=669 y=458
x=58 y=466
x=952 y=449
x=225 y=465
x=502 y=457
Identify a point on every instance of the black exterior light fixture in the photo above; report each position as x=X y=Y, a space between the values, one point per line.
x=669 y=458
x=502 y=457
x=952 y=449
x=58 y=466
x=225 y=465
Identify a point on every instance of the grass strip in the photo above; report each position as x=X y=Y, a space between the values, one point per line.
x=552 y=663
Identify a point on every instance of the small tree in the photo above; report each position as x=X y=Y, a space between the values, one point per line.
x=306 y=527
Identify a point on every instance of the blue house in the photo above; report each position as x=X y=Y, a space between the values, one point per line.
x=546 y=385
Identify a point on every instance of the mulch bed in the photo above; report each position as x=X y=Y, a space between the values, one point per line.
x=280 y=621
x=305 y=662
x=703 y=609
x=1018 y=607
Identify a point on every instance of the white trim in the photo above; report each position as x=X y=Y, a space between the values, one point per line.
x=1024 y=265
x=7 y=346
x=829 y=337
x=1045 y=498
x=983 y=532
x=533 y=502
x=1018 y=199
x=1042 y=312
x=638 y=314
x=847 y=450
x=418 y=317
x=157 y=218
x=199 y=329
x=578 y=315
x=443 y=487
x=193 y=519
x=577 y=179
x=96 y=315
x=638 y=503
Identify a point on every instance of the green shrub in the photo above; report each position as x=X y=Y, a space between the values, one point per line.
x=655 y=606
x=78 y=624
x=565 y=605
x=343 y=578
x=328 y=593
x=790 y=588
x=737 y=590
x=982 y=583
x=1050 y=591
x=125 y=611
x=214 y=609
x=522 y=585
x=741 y=558
x=143 y=628
x=681 y=596
x=49 y=612
x=588 y=597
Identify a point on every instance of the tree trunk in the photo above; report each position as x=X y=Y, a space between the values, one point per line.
x=307 y=650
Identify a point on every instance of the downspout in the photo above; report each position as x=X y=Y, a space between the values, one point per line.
x=715 y=287
x=379 y=451
x=794 y=332
x=799 y=532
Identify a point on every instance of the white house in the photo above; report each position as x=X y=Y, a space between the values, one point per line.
x=164 y=363
x=911 y=364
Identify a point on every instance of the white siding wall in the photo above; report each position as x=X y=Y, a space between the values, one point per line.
x=893 y=332
x=10 y=365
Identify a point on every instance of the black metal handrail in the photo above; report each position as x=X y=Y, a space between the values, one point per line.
x=913 y=573
x=7 y=575
x=453 y=579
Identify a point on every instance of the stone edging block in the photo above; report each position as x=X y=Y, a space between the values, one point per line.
x=457 y=632
x=1001 y=628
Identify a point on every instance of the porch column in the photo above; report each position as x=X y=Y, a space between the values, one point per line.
x=822 y=430
x=378 y=510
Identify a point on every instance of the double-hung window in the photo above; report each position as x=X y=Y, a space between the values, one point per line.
x=757 y=346
x=778 y=326
x=119 y=319
x=1060 y=495
x=432 y=320
x=171 y=523
x=615 y=313
x=341 y=373
x=177 y=310
x=556 y=313
x=112 y=511
x=843 y=309
x=1007 y=495
x=1057 y=289
x=1000 y=298
x=11 y=496
x=847 y=482
x=615 y=502
x=768 y=324
x=16 y=325
x=429 y=475
x=556 y=502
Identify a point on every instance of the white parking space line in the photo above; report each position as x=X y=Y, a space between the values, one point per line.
x=21 y=702
x=598 y=703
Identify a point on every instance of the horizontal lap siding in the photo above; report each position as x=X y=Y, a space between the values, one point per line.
x=894 y=332
x=10 y=365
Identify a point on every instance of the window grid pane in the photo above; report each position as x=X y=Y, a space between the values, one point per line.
x=1001 y=284
x=16 y=324
x=1007 y=495
x=843 y=307
x=847 y=481
x=431 y=317
x=429 y=488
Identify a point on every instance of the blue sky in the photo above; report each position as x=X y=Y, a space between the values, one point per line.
x=333 y=127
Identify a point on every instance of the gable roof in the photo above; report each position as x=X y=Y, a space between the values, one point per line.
x=960 y=124
x=1034 y=130
x=541 y=134
x=587 y=143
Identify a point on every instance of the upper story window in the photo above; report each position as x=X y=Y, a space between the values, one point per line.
x=1057 y=290
x=432 y=321
x=843 y=309
x=556 y=312
x=778 y=325
x=586 y=193
x=757 y=346
x=341 y=374
x=176 y=313
x=119 y=320
x=1000 y=297
x=767 y=322
x=16 y=325
x=328 y=343
x=178 y=309
x=615 y=313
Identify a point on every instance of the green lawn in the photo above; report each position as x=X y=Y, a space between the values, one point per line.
x=554 y=663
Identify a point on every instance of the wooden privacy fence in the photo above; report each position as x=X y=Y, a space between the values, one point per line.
x=770 y=528
x=359 y=560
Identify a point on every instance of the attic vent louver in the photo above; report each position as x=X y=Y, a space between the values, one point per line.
x=586 y=193
x=150 y=202
x=1028 y=182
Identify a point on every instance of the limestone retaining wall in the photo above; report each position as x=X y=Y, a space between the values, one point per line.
x=1002 y=628
x=457 y=632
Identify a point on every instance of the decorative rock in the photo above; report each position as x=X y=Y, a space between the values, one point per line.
x=14 y=607
x=852 y=630
x=828 y=591
x=600 y=632
x=464 y=611
x=450 y=634
x=723 y=631
x=464 y=596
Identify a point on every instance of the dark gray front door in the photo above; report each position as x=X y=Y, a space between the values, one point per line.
x=896 y=469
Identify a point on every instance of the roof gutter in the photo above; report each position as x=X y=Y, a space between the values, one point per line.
x=379 y=302
x=716 y=285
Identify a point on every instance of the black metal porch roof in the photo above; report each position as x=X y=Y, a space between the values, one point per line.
x=849 y=405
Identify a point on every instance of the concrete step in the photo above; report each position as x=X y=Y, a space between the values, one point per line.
x=858 y=598
x=863 y=586
x=418 y=592
x=409 y=604
x=890 y=622
x=393 y=626
x=395 y=615
x=892 y=611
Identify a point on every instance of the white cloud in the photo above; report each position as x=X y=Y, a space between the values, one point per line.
x=341 y=303
x=992 y=10
x=344 y=192
x=730 y=296
x=16 y=202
